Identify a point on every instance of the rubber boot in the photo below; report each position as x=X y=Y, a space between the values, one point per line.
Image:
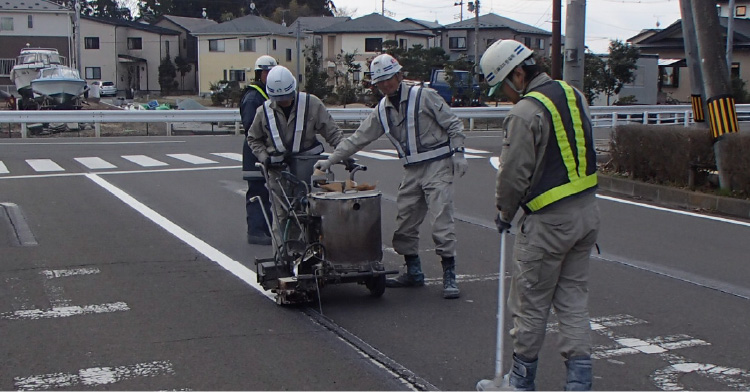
x=413 y=276
x=450 y=289
x=520 y=378
x=579 y=374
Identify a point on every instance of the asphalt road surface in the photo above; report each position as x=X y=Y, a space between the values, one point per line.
x=123 y=265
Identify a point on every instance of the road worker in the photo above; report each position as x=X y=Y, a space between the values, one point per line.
x=252 y=98
x=285 y=129
x=548 y=169
x=429 y=139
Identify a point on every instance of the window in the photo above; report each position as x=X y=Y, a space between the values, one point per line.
x=735 y=71
x=527 y=41
x=91 y=42
x=184 y=43
x=274 y=44
x=135 y=43
x=6 y=23
x=247 y=45
x=373 y=44
x=288 y=55
x=669 y=76
x=93 y=72
x=741 y=10
x=356 y=76
x=457 y=43
x=540 y=43
x=166 y=47
x=216 y=45
x=31 y=21
x=402 y=43
x=237 y=75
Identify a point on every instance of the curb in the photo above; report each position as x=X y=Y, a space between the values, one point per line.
x=674 y=197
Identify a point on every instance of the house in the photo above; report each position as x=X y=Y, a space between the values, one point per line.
x=37 y=23
x=188 y=44
x=458 y=38
x=643 y=87
x=365 y=36
x=228 y=50
x=668 y=44
x=125 y=52
x=309 y=24
x=433 y=27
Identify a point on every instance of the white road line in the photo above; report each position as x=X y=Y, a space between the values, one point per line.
x=44 y=165
x=66 y=311
x=95 y=163
x=375 y=155
x=190 y=158
x=94 y=376
x=3 y=168
x=144 y=161
x=50 y=274
x=229 y=155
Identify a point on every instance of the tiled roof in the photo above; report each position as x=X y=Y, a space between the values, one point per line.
x=425 y=23
x=130 y=24
x=189 y=24
x=494 y=21
x=312 y=23
x=248 y=24
x=31 y=5
x=372 y=23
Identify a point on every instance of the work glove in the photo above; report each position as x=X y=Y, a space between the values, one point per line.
x=323 y=165
x=350 y=164
x=459 y=164
x=502 y=226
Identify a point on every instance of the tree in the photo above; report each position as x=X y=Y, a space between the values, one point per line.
x=616 y=71
x=593 y=71
x=183 y=67
x=105 y=8
x=316 y=81
x=227 y=10
x=347 y=91
x=167 y=74
x=417 y=62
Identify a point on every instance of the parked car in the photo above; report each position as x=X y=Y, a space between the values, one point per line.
x=459 y=94
x=106 y=88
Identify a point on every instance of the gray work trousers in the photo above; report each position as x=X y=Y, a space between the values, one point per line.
x=551 y=269
x=426 y=187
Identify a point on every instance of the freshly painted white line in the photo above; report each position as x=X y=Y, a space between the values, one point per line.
x=182 y=169
x=95 y=163
x=66 y=311
x=144 y=161
x=44 y=165
x=39 y=143
x=3 y=168
x=233 y=266
x=475 y=151
x=375 y=155
x=229 y=155
x=50 y=274
x=94 y=376
x=190 y=158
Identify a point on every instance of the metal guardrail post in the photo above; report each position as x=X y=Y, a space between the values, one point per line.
x=169 y=129
x=97 y=129
x=24 y=130
x=471 y=124
x=237 y=128
x=687 y=118
x=614 y=119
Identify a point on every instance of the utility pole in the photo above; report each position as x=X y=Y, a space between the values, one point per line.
x=697 y=92
x=77 y=42
x=460 y=5
x=575 y=31
x=382 y=7
x=556 y=33
x=476 y=34
x=299 y=54
x=722 y=113
x=730 y=37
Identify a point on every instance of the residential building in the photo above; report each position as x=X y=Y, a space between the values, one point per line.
x=423 y=25
x=37 y=23
x=188 y=45
x=458 y=39
x=228 y=50
x=127 y=53
x=643 y=88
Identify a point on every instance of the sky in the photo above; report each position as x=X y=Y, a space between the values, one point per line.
x=605 y=19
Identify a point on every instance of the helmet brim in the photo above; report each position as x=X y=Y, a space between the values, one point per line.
x=285 y=97
x=494 y=88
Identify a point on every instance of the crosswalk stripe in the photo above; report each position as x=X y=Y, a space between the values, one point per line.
x=44 y=165
x=95 y=163
x=229 y=155
x=190 y=158
x=144 y=161
x=3 y=169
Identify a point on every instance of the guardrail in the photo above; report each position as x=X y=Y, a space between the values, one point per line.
x=602 y=116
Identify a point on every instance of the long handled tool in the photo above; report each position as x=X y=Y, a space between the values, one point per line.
x=495 y=384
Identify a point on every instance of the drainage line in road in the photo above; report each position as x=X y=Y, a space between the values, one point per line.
x=407 y=375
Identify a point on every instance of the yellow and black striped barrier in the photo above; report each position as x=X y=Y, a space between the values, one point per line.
x=698 y=115
x=722 y=115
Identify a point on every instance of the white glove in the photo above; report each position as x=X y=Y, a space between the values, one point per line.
x=459 y=164
x=323 y=165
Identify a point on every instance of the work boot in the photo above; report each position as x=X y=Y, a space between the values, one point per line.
x=262 y=239
x=495 y=385
x=520 y=378
x=579 y=374
x=450 y=289
x=413 y=276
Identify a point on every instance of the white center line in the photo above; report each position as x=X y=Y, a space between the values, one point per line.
x=44 y=165
x=95 y=163
x=190 y=158
x=144 y=161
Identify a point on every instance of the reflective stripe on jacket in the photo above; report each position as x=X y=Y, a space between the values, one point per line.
x=260 y=90
x=570 y=158
x=303 y=102
x=411 y=150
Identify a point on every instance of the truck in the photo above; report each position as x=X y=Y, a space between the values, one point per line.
x=460 y=94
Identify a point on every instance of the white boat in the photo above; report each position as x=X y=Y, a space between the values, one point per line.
x=59 y=87
x=27 y=67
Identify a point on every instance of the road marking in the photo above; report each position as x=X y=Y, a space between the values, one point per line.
x=94 y=376
x=190 y=158
x=144 y=161
x=3 y=168
x=668 y=378
x=65 y=311
x=50 y=274
x=229 y=155
x=56 y=293
x=95 y=163
x=44 y=165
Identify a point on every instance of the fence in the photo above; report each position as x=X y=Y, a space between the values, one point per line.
x=602 y=116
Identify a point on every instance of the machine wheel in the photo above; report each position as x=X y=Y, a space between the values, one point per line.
x=376 y=285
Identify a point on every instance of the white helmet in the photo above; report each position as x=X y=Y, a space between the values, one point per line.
x=265 y=63
x=499 y=60
x=281 y=84
x=384 y=67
